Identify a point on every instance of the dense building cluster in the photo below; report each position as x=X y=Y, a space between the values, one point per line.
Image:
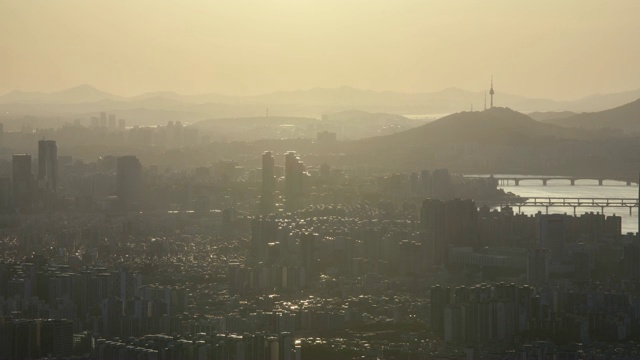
x=501 y=312
x=282 y=260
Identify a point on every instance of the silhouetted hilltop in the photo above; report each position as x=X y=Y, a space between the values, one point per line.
x=625 y=117
x=495 y=140
x=492 y=126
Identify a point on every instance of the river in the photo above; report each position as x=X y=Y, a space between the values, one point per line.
x=582 y=189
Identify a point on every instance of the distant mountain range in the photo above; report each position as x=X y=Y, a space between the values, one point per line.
x=79 y=94
x=85 y=100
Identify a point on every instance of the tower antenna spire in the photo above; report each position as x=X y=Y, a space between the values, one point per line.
x=491 y=92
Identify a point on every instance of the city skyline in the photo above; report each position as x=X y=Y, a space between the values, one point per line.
x=310 y=180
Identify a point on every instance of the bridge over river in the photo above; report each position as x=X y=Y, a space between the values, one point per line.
x=505 y=180
x=569 y=202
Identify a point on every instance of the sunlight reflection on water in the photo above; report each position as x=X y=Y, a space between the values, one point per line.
x=582 y=189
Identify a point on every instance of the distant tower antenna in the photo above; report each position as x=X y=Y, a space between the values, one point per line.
x=491 y=92
x=267 y=112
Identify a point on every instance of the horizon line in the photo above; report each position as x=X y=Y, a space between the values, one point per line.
x=474 y=92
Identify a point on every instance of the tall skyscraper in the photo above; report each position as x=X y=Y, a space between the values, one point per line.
x=22 y=181
x=447 y=223
x=267 y=198
x=441 y=187
x=439 y=300
x=538 y=266
x=48 y=164
x=293 y=180
x=432 y=234
x=112 y=122
x=426 y=183
x=47 y=172
x=6 y=196
x=128 y=181
x=554 y=232
x=56 y=337
x=631 y=261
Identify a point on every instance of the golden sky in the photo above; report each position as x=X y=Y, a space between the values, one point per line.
x=562 y=49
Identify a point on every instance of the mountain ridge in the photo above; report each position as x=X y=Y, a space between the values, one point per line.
x=625 y=118
x=447 y=100
x=495 y=125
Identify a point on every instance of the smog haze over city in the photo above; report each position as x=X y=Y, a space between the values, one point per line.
x=295 y=180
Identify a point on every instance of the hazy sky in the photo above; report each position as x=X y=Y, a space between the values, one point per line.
x=556 y=49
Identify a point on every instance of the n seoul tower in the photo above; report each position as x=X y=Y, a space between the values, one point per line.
x=491 y=92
